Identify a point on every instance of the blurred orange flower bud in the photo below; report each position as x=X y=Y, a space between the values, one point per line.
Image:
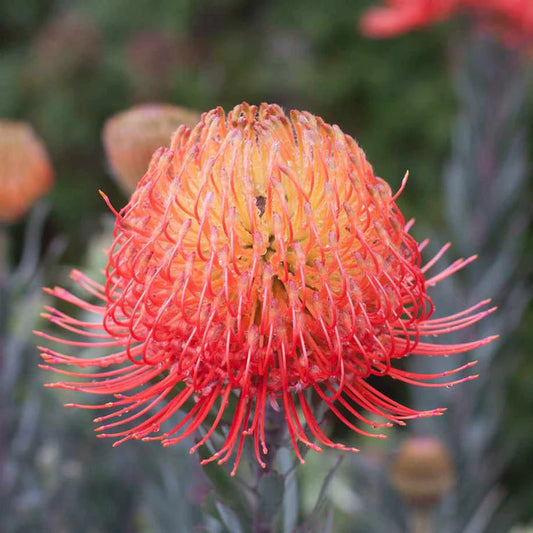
x=25 y=170
x=131 y=137
x=422 y=471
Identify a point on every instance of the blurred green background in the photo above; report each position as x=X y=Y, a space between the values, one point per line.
x=66 y=66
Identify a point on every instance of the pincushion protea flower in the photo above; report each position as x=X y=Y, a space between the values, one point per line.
x=25 y=170
x=512 y=20
x=258 y=261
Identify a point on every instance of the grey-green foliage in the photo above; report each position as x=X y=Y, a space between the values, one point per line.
x=48 y=464
x=56 y=476
x=485 y=184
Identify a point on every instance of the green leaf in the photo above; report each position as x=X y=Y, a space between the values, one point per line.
x=209 y=505
x=290 y=498
x=226 y=489
x=314 y=517
x=229 y=518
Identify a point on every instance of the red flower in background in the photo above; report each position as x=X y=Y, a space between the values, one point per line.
x=258 y=260
x=401 y=16
x=512 y=20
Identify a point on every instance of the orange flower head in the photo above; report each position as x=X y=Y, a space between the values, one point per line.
x=131 y=137
x=258 y=263
x=25 y=170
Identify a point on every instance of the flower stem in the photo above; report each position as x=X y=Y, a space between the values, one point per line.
x=4 y=313
x=274 y=433
x=3 y=255
x=421 y=520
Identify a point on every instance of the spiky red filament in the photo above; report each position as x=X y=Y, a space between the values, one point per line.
x=259 y=258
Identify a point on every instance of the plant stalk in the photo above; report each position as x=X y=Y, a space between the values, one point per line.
x=274 y=433
x=421 y=520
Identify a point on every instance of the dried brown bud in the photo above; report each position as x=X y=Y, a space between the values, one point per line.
x=422 y=471
x=131 y=137
x=68 y=44
x=153 y=60
x=25 y=170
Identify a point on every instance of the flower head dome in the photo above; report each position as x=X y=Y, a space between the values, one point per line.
x=258 y=261
x=25 y=170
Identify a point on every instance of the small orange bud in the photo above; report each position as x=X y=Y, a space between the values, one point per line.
x=25 y=170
